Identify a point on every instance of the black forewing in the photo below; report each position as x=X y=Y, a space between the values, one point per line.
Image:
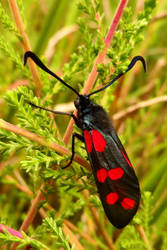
x=127 y=186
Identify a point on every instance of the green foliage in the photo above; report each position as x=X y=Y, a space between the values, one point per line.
x=6 y=21
x=61 y=241
x=28 y=165
x=130 y=32
x=6 y=237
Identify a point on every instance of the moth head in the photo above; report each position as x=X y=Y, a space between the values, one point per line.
x=82 y=101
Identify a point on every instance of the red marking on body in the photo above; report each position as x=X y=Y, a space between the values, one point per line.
x=112 y=198
x=115 y=173
x=126 y=158
x=88 y=140
x=128 y=203
x=98 y=141
x=101 y=175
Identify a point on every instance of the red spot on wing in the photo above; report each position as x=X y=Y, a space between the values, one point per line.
x=88 y=140
x=101 y=175
x=115 y=173
x=98 y=141
x=128 y=203
x=112 y=198
x=126 y=159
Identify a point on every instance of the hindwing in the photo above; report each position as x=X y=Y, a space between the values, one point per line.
x=116 y=180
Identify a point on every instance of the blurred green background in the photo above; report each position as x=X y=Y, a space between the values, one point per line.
x=67 y=36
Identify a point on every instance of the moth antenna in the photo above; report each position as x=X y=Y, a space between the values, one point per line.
x=35 y=58
x=130 y=66
x=53 y=111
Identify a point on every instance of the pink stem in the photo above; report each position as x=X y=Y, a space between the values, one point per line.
x=11 y=231
x=100 y=58
x=115 y=22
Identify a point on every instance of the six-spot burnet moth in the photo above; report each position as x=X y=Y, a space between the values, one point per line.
x=115 y=178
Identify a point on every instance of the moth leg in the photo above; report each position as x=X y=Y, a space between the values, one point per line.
x=81 y=138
